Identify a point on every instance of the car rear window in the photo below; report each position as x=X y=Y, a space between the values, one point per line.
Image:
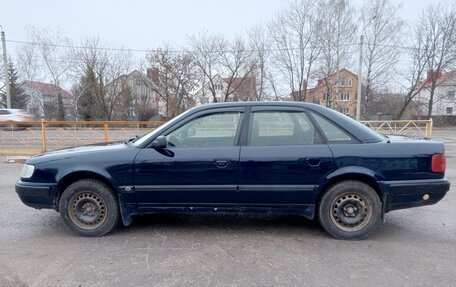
x=333 y=132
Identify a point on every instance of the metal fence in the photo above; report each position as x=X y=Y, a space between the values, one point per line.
x=27 y=138
x=411 y=128
x=39 y=136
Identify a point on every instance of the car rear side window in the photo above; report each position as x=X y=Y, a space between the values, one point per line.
x=213 y=130
x=270 y=128
x=333 y=132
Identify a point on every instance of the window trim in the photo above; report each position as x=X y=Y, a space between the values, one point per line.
x=342 y=81
x=343 y=109
x=345 y=94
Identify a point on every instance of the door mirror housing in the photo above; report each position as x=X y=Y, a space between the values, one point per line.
x=159 y=142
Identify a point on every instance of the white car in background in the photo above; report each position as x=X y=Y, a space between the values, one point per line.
x=19 y=117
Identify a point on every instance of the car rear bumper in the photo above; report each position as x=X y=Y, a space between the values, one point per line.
x=412 y=193
x=37 y=195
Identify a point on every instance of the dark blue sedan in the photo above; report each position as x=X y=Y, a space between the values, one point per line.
x=292 y=158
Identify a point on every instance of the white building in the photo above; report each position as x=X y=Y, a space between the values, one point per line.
x=244 y=89
x=144 y=102
x=43 y=99
x=444 y=95
x=144 y=95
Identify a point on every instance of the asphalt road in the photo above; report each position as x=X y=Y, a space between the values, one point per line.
x=414 y=247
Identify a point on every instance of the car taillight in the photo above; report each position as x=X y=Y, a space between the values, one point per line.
x=438 y=162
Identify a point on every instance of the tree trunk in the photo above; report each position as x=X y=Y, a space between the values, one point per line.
x=61 y=109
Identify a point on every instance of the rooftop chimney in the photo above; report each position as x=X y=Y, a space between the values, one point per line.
x=152 y=74
x=431 y=72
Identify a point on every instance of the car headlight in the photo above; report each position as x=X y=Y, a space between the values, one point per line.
x=27 y=171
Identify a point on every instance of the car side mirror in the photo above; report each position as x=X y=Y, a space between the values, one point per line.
x=159 y=142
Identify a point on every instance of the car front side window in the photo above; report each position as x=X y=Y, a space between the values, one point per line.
x=213 y=130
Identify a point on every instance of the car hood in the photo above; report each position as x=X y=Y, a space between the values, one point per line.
x=76 y=151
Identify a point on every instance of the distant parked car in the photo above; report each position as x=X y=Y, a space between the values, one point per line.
x=261 y=157
x=17 y=116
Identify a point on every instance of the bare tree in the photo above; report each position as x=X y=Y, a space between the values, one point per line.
x=231 y=61
x=28 y=63
x=237 y=64
x=207 y=57
x=105 y=72
x=295 y=33
x=438 y=23
x=260 y=45
x=270 y=78
x=414 y=72
x=382 y=30
x=337 y=36
x=47 y=44
x=175 y=79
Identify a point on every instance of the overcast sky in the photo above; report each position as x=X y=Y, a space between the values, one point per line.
x=148 y=24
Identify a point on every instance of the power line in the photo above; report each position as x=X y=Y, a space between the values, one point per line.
x=207 y=51
x=76 y=47
x=174 y=51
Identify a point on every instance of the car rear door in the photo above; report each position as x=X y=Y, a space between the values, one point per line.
x=283 y=160
x=199 y=167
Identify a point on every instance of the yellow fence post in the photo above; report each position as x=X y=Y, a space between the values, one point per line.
x=43 y=134
x=105 y=125
x=430 y=128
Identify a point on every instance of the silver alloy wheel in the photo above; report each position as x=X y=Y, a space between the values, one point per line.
x=87 y=210
x=351 y=211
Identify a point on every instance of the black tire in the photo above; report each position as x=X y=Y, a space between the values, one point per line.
x=89 y=208
x=350 y=210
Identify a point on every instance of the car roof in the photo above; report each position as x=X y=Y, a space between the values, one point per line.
x=360 y=131
x=256 y=103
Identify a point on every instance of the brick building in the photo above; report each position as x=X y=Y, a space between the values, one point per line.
x=337 y=91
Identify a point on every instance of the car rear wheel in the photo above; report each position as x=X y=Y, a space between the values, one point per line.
x=350 y=210
x=89 y=208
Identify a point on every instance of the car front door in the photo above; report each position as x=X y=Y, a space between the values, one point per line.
x=199 y=166
x=283 y=160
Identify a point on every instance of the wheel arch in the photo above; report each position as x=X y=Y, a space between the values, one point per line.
x=358 y=174
x=71 y=177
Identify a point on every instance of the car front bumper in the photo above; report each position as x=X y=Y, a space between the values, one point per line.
x=413 y=193
x=37 y=195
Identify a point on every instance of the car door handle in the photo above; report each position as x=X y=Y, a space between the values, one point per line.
x=314 y=162
x=221 y=163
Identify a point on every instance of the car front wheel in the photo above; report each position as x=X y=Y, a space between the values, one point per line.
x=350 y=210
x=89 y=208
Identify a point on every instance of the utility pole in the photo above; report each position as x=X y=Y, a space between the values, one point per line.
x=5 y=65
x=360 y=71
